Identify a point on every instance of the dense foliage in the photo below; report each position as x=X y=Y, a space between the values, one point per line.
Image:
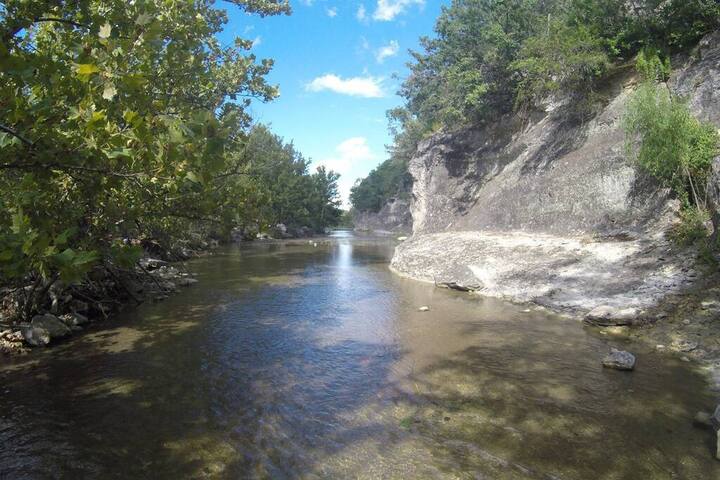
x=290 y=195
x=489 y=57
x=674 y=146
x=389 y=179
x=124 y=120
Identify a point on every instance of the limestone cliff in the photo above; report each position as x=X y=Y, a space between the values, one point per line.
x=393 y=217
x=551 y=210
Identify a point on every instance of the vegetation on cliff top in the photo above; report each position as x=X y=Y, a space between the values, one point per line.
x=128 y=121
x=489 y=58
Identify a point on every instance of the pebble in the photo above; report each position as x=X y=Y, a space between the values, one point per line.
x=424 y=309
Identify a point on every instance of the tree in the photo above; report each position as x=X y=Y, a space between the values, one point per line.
x=118 y=119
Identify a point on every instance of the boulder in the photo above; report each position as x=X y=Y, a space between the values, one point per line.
x=36 y=336
x=50 y=323
x=607 y=316
x=619 y=360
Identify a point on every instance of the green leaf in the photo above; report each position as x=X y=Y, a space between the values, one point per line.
x=87 y=69
x=192 y=177
x=125 y=152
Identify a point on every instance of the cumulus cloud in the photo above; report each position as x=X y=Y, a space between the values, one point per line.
x=361 y=14
x=387 y=10
x=386 y=51
x=368 y=87
x=331 y=12
x=348 y=155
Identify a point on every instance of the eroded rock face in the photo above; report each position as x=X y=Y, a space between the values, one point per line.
x=394 y=217
x=552 y=210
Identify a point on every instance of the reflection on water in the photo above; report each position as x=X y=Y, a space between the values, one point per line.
x=297 y=360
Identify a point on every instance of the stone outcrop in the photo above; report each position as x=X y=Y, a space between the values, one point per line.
x=550 y=209
x=393 y=217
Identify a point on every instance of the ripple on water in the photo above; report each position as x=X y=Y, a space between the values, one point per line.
x=293 y=361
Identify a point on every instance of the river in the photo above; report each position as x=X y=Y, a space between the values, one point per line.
x=302 y=360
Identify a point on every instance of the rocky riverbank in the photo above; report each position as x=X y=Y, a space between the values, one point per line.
x=66 y=309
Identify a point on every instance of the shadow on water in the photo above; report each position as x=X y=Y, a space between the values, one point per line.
x=302 y=361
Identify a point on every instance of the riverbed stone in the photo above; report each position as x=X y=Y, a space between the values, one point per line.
x=186 y=281
x=619 y=360
x=607 y=316
x=424 y=308
x=683 y=346
x=52 y=324
x=36 y=336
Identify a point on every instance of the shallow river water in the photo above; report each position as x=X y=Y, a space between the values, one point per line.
x=300 y=361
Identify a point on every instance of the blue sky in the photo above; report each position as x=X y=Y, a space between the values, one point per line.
x=334 y=63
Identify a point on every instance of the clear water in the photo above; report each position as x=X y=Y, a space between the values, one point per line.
x=301 y=361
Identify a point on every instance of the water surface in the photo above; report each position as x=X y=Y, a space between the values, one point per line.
x=312 y=361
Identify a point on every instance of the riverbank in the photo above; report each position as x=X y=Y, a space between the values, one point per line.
x=647 y=290
x=60 y=310
x=63 y=310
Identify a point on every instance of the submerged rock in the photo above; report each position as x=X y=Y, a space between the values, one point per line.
x=619 y=360
x=51 y=324
x=186 y=281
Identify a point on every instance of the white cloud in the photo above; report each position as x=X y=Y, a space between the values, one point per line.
x=387 y=10
x=364 y=44
x=257 y=41
x=361 y=14
x=368 y=87
x=331 y=12
x=348 y=155
x=386 y=51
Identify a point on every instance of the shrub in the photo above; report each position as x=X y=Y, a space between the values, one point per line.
x=670 y=143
